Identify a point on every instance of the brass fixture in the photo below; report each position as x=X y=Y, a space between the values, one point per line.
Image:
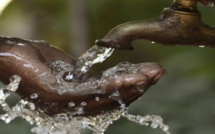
x=186 y=3
x=178 y=24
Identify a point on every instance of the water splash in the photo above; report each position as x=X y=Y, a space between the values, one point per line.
x=66 y=123
x=210 y=4
x=95 y=54
x=156 y=121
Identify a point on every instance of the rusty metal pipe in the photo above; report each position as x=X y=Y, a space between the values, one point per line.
x=179 y=24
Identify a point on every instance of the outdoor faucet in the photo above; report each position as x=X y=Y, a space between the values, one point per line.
x=179 y=24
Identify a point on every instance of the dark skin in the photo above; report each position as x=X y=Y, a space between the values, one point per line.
x=31 y=60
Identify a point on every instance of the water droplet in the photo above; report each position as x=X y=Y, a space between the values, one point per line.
x=34 y=96
x=68 y=77
x=83 y=103
x=6 y=118
x=60 y=67
x=20 y=44
x=115 y=96
x=14 y=83
x=71 y=104
x=11 y=42
x=31 y=106
x=97 y=98
x=201 y=46
x=157 y=120
x=79 y=111
x=165 y=128
x=210 y=4
x=61 y=117
x=15 y=79
x=140 y=89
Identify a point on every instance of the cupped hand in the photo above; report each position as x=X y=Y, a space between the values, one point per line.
x=44 y=72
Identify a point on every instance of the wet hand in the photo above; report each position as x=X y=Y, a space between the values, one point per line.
x=45 y=70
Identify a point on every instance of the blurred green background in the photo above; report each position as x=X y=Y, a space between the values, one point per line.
x=184 y=97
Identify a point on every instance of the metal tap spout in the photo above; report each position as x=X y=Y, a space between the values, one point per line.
x=179 y=24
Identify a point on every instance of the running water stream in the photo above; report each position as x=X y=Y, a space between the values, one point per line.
x=66 y=123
